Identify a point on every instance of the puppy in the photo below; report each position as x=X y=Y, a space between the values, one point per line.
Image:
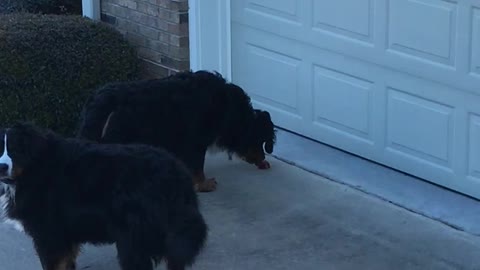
x=187 y=114
x=67 y=192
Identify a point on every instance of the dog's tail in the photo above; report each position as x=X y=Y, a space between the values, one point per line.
x=96 y=114
x=187 y=240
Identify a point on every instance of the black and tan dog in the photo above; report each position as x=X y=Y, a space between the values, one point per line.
x=66 y=192
x=186 y=114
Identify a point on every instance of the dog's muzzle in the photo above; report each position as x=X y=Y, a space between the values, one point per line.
x=4 y=174
x=3 y=170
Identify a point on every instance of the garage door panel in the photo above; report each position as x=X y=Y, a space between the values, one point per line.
x=281 y=90
x=270 y=69
x=474 y=147
x=475 y=51
x=358 y=26
x=430 y=40
x=332 y=88
x=419 y=127
x=278 y=85
x=344 y=94
x=282 y=10
x=281 y=17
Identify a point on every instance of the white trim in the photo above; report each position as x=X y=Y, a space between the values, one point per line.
x=91 y=9
x=194 y=36
x=226 y=21
x=210 y=36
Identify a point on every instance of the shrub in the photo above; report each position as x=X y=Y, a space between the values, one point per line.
x=42 y=6
x=49 y=64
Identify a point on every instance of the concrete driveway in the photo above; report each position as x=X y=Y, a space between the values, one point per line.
x=286 y=218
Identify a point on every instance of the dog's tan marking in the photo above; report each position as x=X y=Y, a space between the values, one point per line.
x=104 y=130
x=69 y=261
x=16 y=171
x=201 y=184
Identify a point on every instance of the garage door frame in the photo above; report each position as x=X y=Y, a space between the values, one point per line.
x=210 y=36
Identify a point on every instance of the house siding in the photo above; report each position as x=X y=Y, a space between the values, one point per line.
x=157 y=28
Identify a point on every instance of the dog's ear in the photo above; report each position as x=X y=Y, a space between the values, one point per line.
x=263 y=117
x=268 y=129
x=269 y=147
x=32 y=135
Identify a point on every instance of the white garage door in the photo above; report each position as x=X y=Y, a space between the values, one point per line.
x=395 y=81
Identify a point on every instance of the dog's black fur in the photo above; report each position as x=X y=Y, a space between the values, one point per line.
x=185 y=113
x=66 y=192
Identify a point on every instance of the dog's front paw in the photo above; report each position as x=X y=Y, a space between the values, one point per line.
x=207 y=185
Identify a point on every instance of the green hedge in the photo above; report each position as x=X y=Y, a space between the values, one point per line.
x=49 y=64
x=42 y=6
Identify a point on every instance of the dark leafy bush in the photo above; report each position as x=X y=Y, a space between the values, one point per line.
x=49 y=64
x=42 y=6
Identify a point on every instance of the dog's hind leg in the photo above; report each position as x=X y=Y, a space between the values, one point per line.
x=185 y=242
x=132 y=256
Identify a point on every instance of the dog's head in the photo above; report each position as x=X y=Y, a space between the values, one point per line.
x=20 y=146
x=261 y=139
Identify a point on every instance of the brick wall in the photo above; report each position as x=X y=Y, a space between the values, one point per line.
x=157 y=28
